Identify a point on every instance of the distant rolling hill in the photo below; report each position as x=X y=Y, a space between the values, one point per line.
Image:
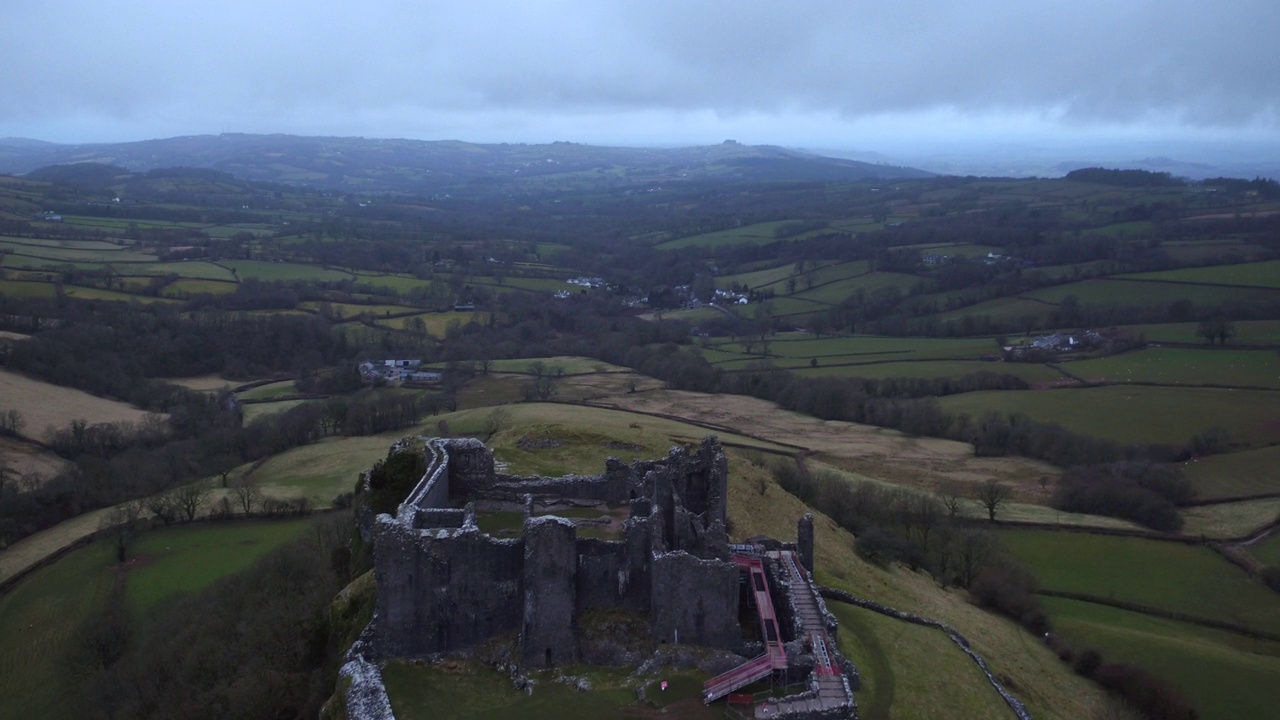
x=416 y=166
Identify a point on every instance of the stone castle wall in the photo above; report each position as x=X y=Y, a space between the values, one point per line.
x=444 y=590
x=695 y=601
x=444 y=586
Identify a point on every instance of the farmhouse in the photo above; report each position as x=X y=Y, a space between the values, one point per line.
x=445 y=586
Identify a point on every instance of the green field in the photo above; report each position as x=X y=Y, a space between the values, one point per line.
x=351 y=310
x=398 y=283
x=1148 y=293
x=1180 y=366
x=261 y=270
x=36 y=621
x=435 y=324
x=269 y=391
x=836 y=292
x=1136 y=413
x=758 y=278
x=99 y=294
x=255 y=411
x=197 y=287
x=821 y=275
x=26 y=262
x=1224 y=675
x=1230 y=520
x=1235 y=474
x=1008 y=309
x=1259 y=274
x=1267 y=551
x=882 y=647
x=193 y=270
x=38 y=615
x=796 y=349
x=1170 y=576
x=1248 y=332
x=107 y=253
x=323 y=470
x=470 y=690
x=758 y=234
x=27 y=289
x=44 y=243
x=187 y=558
x=930 y=369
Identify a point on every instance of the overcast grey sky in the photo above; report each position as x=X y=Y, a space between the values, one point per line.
x=844 y=73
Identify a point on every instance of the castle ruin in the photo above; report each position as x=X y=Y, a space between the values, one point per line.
x=444 y=585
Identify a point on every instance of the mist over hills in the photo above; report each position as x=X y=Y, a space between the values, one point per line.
x=381 y=165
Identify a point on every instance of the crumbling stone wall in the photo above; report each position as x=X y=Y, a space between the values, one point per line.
x=695 y=601
x=804 y=541
x=549 y=635
x=443 y=585
x=444 y=590
x=581 y=487
x=470 y=466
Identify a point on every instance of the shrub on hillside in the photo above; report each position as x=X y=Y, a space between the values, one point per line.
x=1271 y=576
x=1146 y=493
x=1146 y=693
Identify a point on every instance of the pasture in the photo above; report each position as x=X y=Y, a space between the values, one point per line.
x=758 y=234
x=37 y=618
x=930 y=369
x=259 y=410
x=1248 y=332
x=1259 y=274
x=1170 y=576
x=44 y=406
x=353 y=310
x=181 y=288
x=1224 y=675
x=837 y=291
x=1266 y=551
x=402 y=284
x=1235 y=474
x=1230 y=520
x=262 y=270
x=435 y=324
x=38 y=615
x=883 y=649
x=1027 y=311
x=1107 y=291
x=195 y=270
x=187 y=558
x=269 y=391
x=1137 y=413
x=1184 y=366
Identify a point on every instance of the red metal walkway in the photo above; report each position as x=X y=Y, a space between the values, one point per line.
x=775 y=656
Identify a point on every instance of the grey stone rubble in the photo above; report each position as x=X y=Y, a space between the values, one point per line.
x=366 y=696
x=961 y=641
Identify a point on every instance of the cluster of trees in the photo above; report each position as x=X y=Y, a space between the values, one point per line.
x=1146 y=493
x=925 y=532
x=1139 y=689
x=262 y=643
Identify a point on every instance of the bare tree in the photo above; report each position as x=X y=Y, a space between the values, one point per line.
x=247 y=493
x=120 y=525
x=992 y=494
x=973 y=552
x=928 y=513
x=164 y=506
x=952 y=499
x=190 y=498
